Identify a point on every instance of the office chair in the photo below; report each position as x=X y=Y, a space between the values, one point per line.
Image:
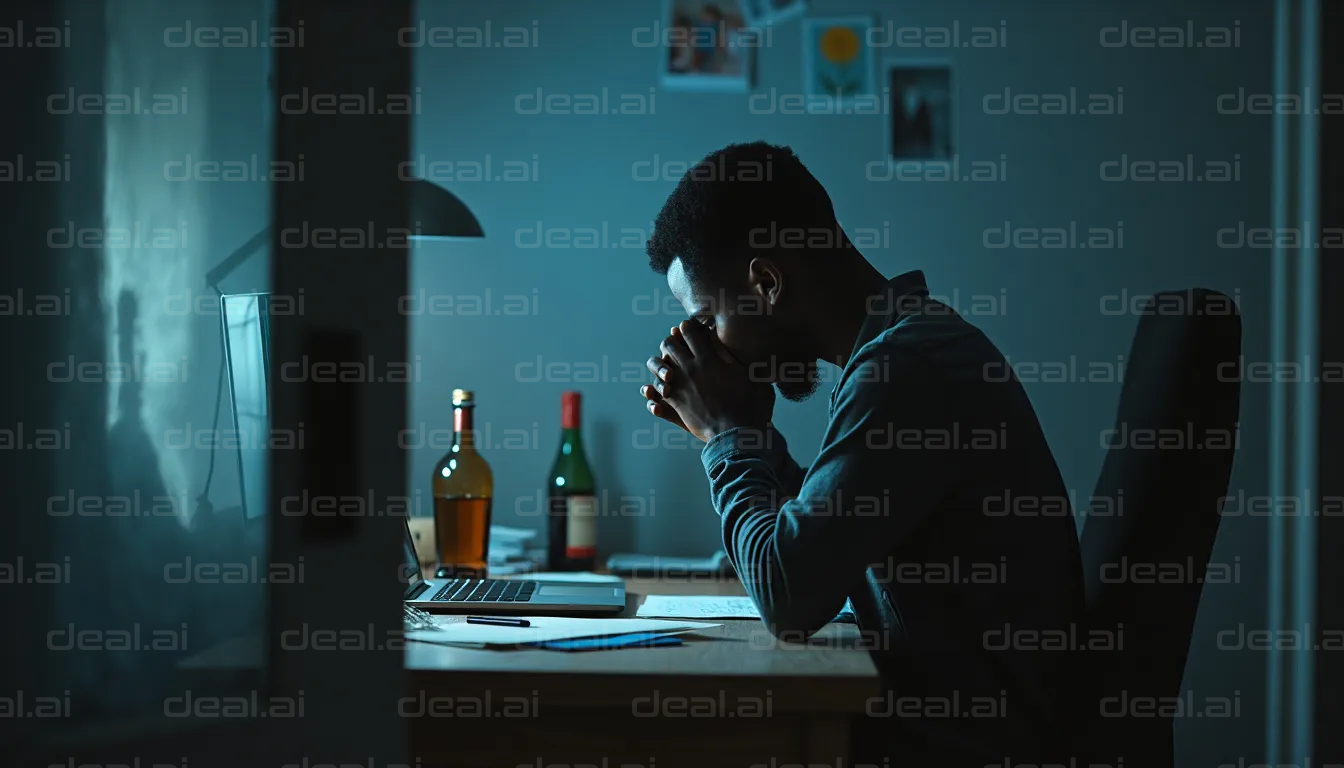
x=1166 y=471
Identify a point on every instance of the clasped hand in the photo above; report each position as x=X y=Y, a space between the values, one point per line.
x=701 y=388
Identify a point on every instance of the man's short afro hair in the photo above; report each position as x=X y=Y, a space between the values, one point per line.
x=710 y=216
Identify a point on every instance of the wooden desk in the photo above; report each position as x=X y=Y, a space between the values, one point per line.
x=731 y=696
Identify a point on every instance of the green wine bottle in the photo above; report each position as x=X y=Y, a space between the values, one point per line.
x=572 y=509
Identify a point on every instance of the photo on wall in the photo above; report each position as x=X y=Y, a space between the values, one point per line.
x=708 y=46
x=758 y=13
x=920 y=117
x=837 y=61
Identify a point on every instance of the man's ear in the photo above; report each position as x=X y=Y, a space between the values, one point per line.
x=766 y=280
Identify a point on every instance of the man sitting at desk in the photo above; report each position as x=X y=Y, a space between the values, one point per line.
x=934 y=504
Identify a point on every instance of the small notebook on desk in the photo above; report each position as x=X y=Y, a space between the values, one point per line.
x=713 y=607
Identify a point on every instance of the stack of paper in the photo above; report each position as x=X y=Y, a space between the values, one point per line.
x=549 y=629
x=507 y=543
x=511 y=550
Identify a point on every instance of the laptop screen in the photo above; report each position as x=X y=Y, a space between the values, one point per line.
x=247 y=346
x=410 y=564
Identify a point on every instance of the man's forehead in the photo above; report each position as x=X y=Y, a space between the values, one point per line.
x=680 y=284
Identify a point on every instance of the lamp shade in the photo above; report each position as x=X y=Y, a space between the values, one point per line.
x=436 y=212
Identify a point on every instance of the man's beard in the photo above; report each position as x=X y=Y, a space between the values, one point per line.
x=799 y=388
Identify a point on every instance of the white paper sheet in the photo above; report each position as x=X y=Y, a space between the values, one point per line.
x=547 y=628
x=698 y=607
x=712 y=607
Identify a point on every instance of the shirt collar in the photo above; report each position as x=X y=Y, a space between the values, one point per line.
x=901 y=295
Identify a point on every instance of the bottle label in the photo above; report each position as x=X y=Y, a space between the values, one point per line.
x=581 y=532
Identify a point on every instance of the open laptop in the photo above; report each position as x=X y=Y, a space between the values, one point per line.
x=496 y=596
x=245 y=322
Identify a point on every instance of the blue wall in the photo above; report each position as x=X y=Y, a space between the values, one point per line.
x=588 y=308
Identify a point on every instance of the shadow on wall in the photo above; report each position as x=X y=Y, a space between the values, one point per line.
x=146 y=590
x=151 y=580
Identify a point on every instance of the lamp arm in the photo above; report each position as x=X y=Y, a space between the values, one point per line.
x=235 y=259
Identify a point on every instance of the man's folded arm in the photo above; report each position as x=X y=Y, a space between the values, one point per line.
x=875 y=479
x=788 y=472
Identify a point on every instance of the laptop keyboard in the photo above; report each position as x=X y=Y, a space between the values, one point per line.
x=485 y=591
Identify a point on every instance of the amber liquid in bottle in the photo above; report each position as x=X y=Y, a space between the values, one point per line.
x=463 y=491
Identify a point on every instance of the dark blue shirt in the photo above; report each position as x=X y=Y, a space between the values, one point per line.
x=936 y=506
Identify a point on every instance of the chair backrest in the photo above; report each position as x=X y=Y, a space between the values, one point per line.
x=1153 y=519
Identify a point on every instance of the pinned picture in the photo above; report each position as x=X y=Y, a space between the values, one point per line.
x=758 y=13
x=708 y=46
x=837 y=61
x=921 y=111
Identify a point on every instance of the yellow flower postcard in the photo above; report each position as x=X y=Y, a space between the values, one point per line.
x=837 y=60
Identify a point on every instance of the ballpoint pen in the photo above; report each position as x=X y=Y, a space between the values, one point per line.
x=496 y=621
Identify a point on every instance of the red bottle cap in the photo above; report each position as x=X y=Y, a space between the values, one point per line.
x=569 y=410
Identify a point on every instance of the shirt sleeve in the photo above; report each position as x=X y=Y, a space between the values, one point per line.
x=884 y=465
x=787 y=471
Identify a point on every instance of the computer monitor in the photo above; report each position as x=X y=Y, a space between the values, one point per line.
x=245 y=323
